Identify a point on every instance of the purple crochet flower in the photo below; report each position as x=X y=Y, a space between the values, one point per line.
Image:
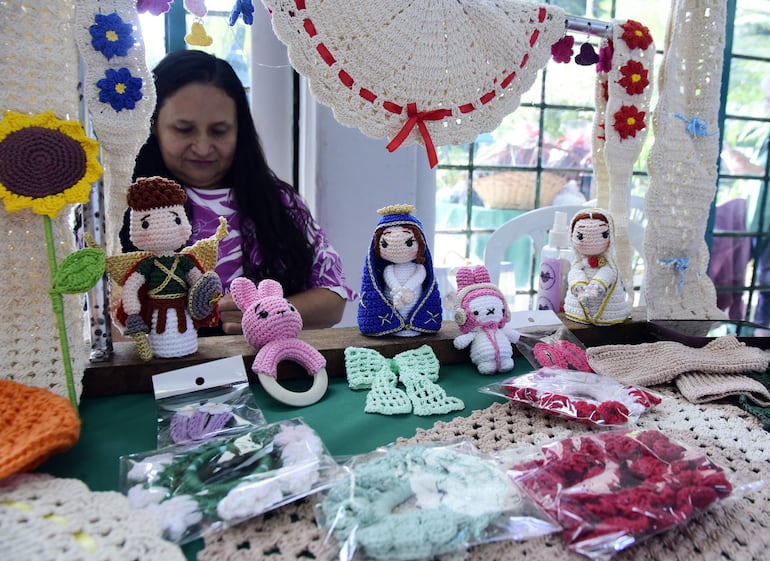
x=155 y=7
x=111 y=36
x=120 y=89
x=605 y=58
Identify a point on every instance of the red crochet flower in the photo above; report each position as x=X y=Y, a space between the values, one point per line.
x=561 y=50
x=636 y=35
x=628 y=121
x=634 y=78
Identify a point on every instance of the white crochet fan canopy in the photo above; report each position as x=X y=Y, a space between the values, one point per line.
x=434 y=72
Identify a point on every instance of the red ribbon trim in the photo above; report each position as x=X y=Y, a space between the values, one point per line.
x=419 y=118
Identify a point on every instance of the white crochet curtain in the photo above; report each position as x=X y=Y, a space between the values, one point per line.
x=683 y=164
x=39 y=64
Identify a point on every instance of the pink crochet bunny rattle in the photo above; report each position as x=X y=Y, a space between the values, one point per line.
x=271 y=325
x=482 y=314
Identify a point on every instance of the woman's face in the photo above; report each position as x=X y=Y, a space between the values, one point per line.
x=197 y=130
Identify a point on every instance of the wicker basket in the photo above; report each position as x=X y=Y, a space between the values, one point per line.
x=516 y=189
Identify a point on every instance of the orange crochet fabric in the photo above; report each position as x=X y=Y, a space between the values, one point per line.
x=36 y=424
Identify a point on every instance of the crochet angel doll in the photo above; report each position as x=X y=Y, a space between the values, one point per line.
x=167 y=292
x=399 y=292
x=595 y=292
x=271 y=324
x=482 y=315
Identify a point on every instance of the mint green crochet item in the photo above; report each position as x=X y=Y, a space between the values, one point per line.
x=414 y=502
x=416 y=369
x=385 y=397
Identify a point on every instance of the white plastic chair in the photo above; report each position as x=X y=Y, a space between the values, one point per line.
x=536 y=224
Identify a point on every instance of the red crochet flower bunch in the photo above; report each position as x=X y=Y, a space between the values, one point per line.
x=610 y=490
x=583 y=397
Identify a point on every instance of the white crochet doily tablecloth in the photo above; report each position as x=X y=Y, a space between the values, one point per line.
x=44 y=518
x=735 y=530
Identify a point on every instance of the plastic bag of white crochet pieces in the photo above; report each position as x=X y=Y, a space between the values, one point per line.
x=612 y=489
x=415 y=502
x=546 y=342
x=203 y=401
x=583 y=397
x=197 y=487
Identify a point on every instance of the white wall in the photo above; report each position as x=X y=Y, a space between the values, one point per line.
x=344 y=175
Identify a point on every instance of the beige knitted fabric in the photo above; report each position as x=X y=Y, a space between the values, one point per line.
x=39 y=65
x=683 y=166
x=648 y=364
x=699 y=387
x=464 y=64
x=736 y=531
x=45 y=518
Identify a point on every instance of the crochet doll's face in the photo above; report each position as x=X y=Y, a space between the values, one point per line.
x=591 y=236
x=271 y=319
x=485 y=309
x=398 y=245
x=160 y=230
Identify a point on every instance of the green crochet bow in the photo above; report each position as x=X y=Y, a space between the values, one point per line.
x=416 y=369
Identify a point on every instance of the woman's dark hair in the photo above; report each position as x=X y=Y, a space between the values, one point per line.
x=266 y=222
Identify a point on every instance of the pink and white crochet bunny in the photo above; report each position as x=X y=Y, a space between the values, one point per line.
x=271 y=325
x=482 y=314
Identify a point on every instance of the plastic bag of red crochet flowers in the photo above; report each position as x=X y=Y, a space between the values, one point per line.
x=613 y=489
x=584 y=397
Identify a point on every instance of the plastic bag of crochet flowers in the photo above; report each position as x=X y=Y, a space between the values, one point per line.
x=583 y=397
x=613 y=489
x=198 y=487
x=545 y=341
x=415 y=502
x=206 y=400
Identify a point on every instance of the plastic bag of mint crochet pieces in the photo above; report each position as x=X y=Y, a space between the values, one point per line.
x=610 y=490
x=584 y=397
x=203 y=401
x=545 y=341
x=419 y=501
x=197 y=487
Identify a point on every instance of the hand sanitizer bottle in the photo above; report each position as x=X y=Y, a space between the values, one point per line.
x=555 y=262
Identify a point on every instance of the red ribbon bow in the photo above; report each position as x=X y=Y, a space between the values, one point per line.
x=419 y=118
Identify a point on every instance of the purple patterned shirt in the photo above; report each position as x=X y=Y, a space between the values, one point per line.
x=207 y=205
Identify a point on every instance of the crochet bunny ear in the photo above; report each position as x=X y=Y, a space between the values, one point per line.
x=480 y=274
x=244 y=293
x=269 y=287
x=464 y=277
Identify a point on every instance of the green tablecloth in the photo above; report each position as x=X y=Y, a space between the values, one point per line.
x=120 y=425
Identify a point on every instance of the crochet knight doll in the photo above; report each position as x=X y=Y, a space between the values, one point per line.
x=167 y=293
x=595 y=291
x=399 y=292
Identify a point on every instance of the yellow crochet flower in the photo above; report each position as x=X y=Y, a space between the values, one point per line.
x=45 y=163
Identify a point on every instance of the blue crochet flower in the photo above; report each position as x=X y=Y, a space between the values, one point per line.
x=120 y=89
x=111 y=36
x=244 y=8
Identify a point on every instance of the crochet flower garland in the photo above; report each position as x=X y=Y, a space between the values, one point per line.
x=581 y=396
x=611 y=490
x=45 y=164
x=227 y=479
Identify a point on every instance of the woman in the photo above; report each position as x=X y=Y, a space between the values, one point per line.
x=203 y=137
